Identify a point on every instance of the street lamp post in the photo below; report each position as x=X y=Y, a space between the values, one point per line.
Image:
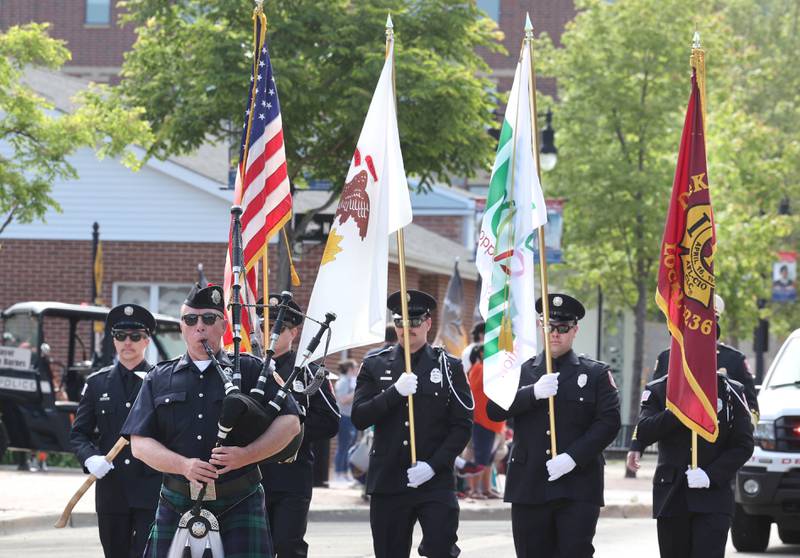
x=548 y=154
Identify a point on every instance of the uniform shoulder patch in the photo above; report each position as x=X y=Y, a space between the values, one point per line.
x=646 y=395
x=104 y=370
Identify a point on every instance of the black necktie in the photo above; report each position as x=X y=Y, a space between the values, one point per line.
x=129 y=379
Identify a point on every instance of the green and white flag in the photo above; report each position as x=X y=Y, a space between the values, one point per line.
x=515 y=209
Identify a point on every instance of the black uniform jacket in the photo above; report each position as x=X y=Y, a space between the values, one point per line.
x=179 y=405
x=732 y=361
x=321 y=423
x=720 y=460
x=587 y=421
x=442 y=424
x=103 y=408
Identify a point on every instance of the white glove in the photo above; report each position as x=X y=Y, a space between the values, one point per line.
x=419 y=474
x=406 y=384
x=559 y=466
x=98 y=466
x=546 y=386
x=697 y=478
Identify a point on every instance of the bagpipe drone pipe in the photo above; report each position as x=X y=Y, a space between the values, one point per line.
x=244 y=417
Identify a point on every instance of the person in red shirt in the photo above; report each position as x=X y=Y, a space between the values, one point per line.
x=484 y=430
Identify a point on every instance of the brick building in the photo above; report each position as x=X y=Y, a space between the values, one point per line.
x=98 y=43
x=157 y=224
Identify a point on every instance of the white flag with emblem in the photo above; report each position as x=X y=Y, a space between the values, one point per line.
x=515 y=209
x=352 y=277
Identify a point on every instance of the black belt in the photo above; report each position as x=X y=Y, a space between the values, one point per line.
x=230 y=489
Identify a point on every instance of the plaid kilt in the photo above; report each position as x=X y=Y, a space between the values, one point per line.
x=242 y=522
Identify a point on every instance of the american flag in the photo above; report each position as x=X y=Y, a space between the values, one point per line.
x=262 y=182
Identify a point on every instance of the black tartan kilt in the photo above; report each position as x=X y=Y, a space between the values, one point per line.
x=243 y=524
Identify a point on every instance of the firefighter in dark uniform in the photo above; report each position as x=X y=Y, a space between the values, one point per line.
x=173 y=428
x=693 y=507
x=127 y=489
x=556 y=500
x=402 y=492
x=287 y=486
x=730 y=362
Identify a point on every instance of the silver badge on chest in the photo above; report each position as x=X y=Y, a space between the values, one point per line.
x=582 y=379
x=436 y=376
x=298 y=386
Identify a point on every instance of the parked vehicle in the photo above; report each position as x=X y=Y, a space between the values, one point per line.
x=768 y=486
x=46 y=352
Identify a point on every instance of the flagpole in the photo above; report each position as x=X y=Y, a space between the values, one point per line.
x=401 y=264
x=698 y=62
x=542 y=252
x=258 y=41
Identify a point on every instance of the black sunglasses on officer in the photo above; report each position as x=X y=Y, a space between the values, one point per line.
x=561 y=327
x=416 y=321
x=135 y=336
x=208 y=318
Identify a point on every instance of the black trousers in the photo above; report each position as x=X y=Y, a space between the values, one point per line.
x=124 y=535
x=693 y=535
x=288 y=519
x=558 y=529
x=392 y=518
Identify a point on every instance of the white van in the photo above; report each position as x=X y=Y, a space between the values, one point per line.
x=768 y=486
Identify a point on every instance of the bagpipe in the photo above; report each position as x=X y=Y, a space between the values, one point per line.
x=246 y=416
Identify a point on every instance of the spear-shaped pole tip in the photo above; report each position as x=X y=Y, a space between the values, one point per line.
x=696 y=40
x=528 y=24
x=389 y=24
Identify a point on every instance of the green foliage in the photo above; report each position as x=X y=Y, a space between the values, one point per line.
x=37 y=143
x=623 y=77
x=190 y=67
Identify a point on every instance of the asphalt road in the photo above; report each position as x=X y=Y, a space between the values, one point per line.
x=616 y=538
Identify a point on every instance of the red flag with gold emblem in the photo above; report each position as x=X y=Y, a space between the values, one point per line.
x=686 y=281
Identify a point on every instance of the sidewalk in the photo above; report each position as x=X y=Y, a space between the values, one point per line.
x=31 y=501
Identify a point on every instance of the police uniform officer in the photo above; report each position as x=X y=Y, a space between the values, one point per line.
x=127 y=489
x=173 y=428
x=403 y=492
x=287 y=486
x=556 y=500
x=693 y=507
x=731 y=362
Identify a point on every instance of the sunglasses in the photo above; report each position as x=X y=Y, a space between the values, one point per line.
x=412 y=322
x=209 y=318
x=135 y=336
x=560 y=328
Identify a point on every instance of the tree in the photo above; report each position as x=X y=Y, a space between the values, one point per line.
x=623 y=79
x=769 y=28
x=190 y=67
x=35 y=145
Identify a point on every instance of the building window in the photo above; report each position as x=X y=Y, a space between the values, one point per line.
x=491 y=7
x=98 y=12
x=160 y=299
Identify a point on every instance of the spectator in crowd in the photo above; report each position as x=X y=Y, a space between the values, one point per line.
x=484 y=431
x=477 y=339
x=345 y=388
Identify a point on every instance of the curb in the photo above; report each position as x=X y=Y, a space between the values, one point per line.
x=42 y=522
x=361 y=513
